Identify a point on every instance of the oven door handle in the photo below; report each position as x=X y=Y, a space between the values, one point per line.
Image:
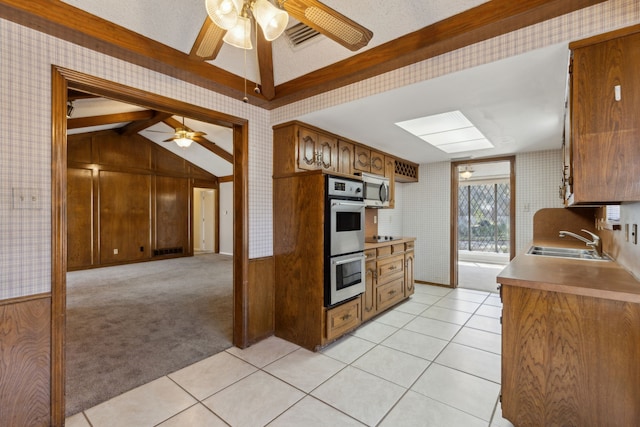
x=345 y=261
x=343 y=203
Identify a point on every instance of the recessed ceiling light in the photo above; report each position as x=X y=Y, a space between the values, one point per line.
x=450 y=132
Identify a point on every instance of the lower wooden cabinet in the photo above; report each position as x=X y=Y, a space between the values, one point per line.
x=569 y=360
x=343 y=318
x=389 y=294
x=409 y=284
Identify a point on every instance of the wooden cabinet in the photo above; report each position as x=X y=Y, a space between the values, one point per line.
x=317 y=150
x=345 y=157
x=409 y=258
x=389 y=274
x=343 y=318
x=568 y=359
x=389 y=172
x=605 y=124
x=367 y=160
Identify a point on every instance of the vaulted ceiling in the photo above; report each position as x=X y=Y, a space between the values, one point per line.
x=518 y=102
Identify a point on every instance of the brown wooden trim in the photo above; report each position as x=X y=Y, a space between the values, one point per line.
x=453 y=256
x=490 y=19
x=483 y=22
x=227 y=178
x=241 y=235
x=62 y=79
x=58 y=244
x=604 y=37
x=25 y=298
x=424 y=282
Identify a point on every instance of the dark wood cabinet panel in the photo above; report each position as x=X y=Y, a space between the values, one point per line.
x=569 y=360
x=345 y=157
x=605 y=124
x=125 y=216
x=80 y=248
x=172 y=214
x=169 y=164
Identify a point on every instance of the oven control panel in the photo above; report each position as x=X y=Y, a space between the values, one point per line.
x=344 y=188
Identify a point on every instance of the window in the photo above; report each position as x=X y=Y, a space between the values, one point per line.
x=483 y=217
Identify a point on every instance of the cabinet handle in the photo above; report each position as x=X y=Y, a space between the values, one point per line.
x=393 y=267
x=346 y=317
x=392 y=293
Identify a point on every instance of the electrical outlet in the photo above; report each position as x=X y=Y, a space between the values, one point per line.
x=634 y=234
x=26 y=198
x=115 y=252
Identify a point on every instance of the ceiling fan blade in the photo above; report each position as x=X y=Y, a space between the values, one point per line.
x=208 y=42
x=173 y=138
x=327 y=21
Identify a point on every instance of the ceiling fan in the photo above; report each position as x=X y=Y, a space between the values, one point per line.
x=183 y=136
x=229 y=18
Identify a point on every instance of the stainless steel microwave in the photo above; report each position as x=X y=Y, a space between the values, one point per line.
x=376 y=190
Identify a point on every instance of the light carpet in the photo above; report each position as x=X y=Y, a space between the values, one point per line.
x=128 y=325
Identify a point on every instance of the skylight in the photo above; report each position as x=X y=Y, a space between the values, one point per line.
x=450 y=132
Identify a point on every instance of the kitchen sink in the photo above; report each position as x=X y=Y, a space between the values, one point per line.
x=574 y=253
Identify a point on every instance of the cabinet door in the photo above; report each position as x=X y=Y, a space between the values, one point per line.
x=307 y=154
x=390 y=268
x=369 y=296
x=390 y=172
x=409 y=287
x=327 y=149
x=377 y=163
x=606 y=123
x=389 y=294
x=343 y=318
x=362 y=161
x=345 y=157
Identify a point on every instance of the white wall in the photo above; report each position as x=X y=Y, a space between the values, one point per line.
x=226 y=218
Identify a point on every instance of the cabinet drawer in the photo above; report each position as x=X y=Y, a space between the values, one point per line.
x=343 y=318
x=370 y=254
x=409 y=246
x=389 y=268
x=397 y=248
x=389 y=294
x=383 y=250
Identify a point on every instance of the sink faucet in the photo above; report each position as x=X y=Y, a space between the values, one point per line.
x=595 y=243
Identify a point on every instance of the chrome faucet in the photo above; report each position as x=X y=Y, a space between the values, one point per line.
x=595 y=243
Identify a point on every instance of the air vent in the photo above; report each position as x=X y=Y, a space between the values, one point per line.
x=168 y=251
x=299 y=34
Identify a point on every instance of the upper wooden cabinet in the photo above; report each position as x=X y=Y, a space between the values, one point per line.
x=316 y=150
x=345 y=157
x=604 y=157
x=367 y=160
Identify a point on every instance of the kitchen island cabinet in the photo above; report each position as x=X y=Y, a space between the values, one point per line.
x=570 y=343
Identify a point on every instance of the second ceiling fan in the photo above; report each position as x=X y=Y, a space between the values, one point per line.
x=230 y=21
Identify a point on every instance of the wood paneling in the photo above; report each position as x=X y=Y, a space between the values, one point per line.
x=125 y=216
x=261 y=298
x=80 y=214
x=298 y=212
x=569 y=360
x=25 y=364
x=169 y=164
x=129 y=152
x=172 y=213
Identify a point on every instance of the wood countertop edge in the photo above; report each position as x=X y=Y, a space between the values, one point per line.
x=597 y=279
x=369 y=245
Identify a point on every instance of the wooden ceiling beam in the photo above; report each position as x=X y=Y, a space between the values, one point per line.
x=490 y=19
x=202 y=141
x=137 y=126
x=69 y=23
x=108 y=119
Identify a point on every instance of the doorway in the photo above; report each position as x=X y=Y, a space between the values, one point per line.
x=205 y=223
x=62 y=81
x=482 y=221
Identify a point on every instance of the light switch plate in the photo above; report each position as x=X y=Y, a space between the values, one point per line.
x=634 y=234
x=626 y=232
x=26 y=198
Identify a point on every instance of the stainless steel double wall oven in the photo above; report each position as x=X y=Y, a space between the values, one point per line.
x=344 y=239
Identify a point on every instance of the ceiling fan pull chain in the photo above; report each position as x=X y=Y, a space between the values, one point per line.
x=257 y=88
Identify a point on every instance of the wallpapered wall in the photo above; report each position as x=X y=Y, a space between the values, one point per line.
x=25 y=127
x=26 y=57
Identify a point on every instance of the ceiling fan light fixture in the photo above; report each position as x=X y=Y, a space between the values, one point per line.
x=224 y=13
x=272 y=20
x=466 y=173
x=183 y=142
x=240 y=35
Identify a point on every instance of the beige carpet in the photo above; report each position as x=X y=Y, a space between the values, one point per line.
x=131 y=324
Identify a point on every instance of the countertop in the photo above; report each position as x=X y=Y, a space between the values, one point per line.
x=600 y=279
x=368 y=245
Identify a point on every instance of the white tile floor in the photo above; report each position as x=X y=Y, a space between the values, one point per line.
x=431 y=361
